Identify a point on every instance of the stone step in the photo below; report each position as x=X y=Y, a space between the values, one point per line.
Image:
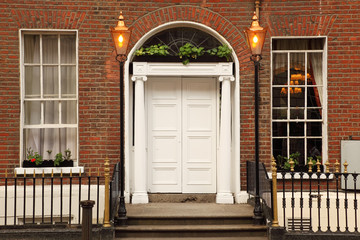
x=199 y=231
x=182 y=198
x=195 y=238
x=189 y=220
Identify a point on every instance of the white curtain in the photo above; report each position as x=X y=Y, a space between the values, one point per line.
x=54 y=139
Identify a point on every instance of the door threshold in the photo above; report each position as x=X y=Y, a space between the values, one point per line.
x=182 y=197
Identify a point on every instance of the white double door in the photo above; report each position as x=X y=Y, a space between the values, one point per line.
x=182 y=130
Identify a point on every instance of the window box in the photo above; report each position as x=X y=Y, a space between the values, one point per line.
x=47 y=163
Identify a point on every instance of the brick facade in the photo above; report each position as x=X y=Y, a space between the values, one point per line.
x=99 y=72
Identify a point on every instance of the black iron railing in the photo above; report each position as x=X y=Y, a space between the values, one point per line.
x=43 y=199
x=265 y=187
x=115 y=191
x=320 y=202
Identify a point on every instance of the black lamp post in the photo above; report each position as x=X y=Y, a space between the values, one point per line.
x=121 y=36
x=255 y=36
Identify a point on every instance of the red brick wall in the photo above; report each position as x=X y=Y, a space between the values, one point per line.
x=99 y=73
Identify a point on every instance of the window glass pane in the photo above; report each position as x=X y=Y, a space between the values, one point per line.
x=314 y=147
x=280 y=97
x=68 y=113
x=68 y=49
x=314 y=98
x=279 y=113
x=51 y=83
x=69 y=141
x=314 y=69
x=314 y=113
x=279 y=129
x=297 y=78
x=314 y=129
x=296 y=129
x=68 y=82
x=297 y=97
x=297 y=113
x=31 y=140
x=50 y=49
x=32 y=113
x=280 y=73
x=32 y=82
x=279 y=147
x=297 y=145
x=298 y=44
x=51 y=112
x=31 y=48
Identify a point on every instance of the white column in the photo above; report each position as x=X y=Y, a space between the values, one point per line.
x=140 y=165
x=224 y=194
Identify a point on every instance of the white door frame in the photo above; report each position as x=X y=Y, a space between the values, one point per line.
x=223 y=72
x=240 y=196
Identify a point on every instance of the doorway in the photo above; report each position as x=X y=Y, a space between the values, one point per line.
x=182 y=134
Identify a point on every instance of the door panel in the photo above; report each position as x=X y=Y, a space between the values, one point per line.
x=199 y=135
x=182 y=134
x=164 y=134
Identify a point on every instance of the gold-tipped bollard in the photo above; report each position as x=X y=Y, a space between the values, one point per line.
x=275 y=222
x=318 y=166
x=337 y=166
x=345 y=166
x=327 y=164
x=107 y=194
x=292 y=164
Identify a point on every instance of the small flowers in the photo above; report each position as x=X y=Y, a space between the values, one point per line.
x=33 y=156
x=33 y=160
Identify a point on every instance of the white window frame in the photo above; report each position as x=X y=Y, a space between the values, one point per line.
x=58 y=32
x=324 y=103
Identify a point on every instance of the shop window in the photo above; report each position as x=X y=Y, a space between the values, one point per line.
x=298 y=98
x=49 y=99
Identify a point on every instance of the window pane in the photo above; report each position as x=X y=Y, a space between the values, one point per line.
x=297 y=78
x=50 y=49
x=314 y=98
x=51 y=83
x=279 y=113
x=314 y=113
x=68 y=82
x=298 y=44
x=31 y=48
x=69 y=141
x=280 y=97
x=297 y=145
x=297 y=97
x=314 y=129
x=68 y=113
x=32 y=82
x=297 y=63
x=51 y=112
x=314 y=147
x=279 y=129
x=296 y=129
x=68 y=49
x=314 y=69
x=297 y=113
x=280 y=69
x=31 y=140
x=32 y=113
x=279 y=147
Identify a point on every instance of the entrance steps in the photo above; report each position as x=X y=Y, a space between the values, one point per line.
x=190 y=221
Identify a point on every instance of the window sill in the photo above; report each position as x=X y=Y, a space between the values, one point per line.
x=297 y=176
x=49 y=170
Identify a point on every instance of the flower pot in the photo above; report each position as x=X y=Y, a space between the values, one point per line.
x=47 y=163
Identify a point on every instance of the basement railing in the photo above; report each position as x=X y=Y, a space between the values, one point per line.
x=49 y=199
x=315 y=202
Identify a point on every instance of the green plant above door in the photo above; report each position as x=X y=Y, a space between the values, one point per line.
x=186 y=52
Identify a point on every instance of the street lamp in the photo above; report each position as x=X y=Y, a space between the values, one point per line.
x=255 y=36
x=121 y=36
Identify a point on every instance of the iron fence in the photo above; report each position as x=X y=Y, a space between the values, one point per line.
x=47 y=199
x=320 y=202
x=114 y=190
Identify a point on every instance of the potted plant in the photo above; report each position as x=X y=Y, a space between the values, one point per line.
x=188 y=51
x=33 y=159
x=284 y=162
x=58 y=159
x=221 y=52
x=67 y=162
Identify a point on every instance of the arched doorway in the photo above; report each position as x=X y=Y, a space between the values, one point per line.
x=183 y=125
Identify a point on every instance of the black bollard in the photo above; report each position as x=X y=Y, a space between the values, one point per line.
x=87 y=206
